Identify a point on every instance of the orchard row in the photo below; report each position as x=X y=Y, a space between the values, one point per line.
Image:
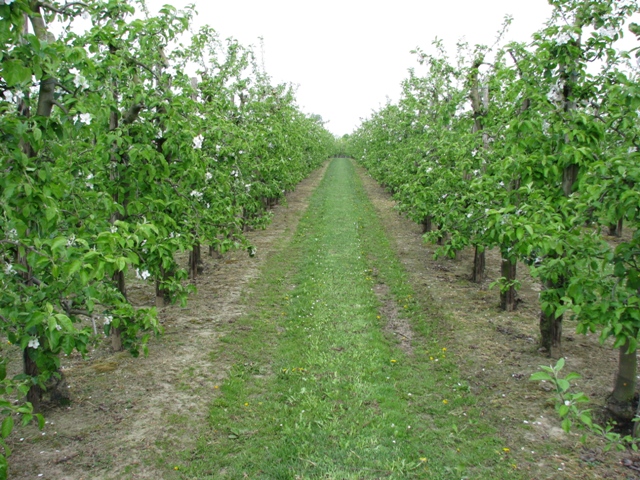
x=531 y=149
x=114 y=160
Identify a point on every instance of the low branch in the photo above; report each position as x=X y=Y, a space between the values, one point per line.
x=61 y=107
x=64 y=9
x=132 y=114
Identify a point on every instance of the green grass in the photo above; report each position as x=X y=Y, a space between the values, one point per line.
x=317 y=390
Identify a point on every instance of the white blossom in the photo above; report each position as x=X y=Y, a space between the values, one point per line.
x=114 y=229
x=247 y=186
x=85 y=118
x=197 y=141
x=235 y=173
x=108 y=319
x=12 y=234
x=208 y=176
x=556 y=92
x=34 y=343
x=563 y=38
x=142 y=275
x=71 y=241
x=78 y=80
x=8 y=269
x=607 y=32
x=196 y=194
x=58 y=327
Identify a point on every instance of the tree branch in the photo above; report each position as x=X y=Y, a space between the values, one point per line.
x=64 y=9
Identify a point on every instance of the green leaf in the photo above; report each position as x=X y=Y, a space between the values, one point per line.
x=586 y=419
x=566 y=424
x=58 y=242
x=563 y=410
x=540 y=376
x=7 y=427
x=559 y=364
x=563 y=385
x=15 y=73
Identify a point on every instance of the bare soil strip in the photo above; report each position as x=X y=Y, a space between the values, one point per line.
x=125 y=413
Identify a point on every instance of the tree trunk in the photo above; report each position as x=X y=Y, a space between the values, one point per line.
x=443 y=238
x=551 y=328
x=163 y=297
x=195 y=261
x=116 y=332
x=34 y=395
x=620 y=403
x=615 y=230
x=508 y=296
x=479 y=263
x=427 y=224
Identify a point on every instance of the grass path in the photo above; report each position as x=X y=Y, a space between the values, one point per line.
x=336 y=371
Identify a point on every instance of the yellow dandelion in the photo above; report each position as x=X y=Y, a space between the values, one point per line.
x=430 y=358
x=423 y=459
x=216 y=386
x=246 y=404
x=176 y=468
x=445 y=401
x=393 y=361
x=444 y=349
x=506 y=450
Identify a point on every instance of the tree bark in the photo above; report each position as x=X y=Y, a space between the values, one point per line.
x=508 y=297
x=195 y=261
x=443 y=238
x=551 y=328
x=34 y=395
x=479 y=264
x=615 y=230
x=620 y=403
x=427 y=225
x=116 y=332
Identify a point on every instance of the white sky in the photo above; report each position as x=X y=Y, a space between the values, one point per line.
x=347 y=57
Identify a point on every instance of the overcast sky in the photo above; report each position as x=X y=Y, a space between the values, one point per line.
x=347 y=57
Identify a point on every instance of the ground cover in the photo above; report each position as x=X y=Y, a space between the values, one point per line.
x=321 y=387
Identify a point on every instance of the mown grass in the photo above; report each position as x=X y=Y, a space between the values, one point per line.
x=318 y=390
